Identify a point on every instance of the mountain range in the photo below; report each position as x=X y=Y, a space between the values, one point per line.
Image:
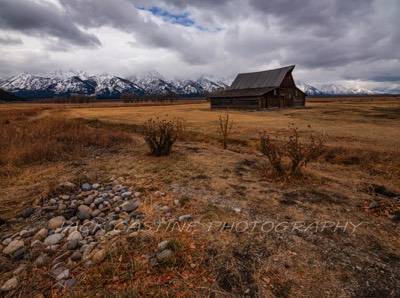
x=60 y=83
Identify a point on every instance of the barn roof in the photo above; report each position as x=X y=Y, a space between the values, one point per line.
x=248 y=92
x=261 y=79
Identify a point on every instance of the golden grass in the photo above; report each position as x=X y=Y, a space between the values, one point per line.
x=363 y=147
x=358 y=124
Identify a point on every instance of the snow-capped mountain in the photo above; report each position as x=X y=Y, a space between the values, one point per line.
x=108 y=86
x=60 y=83
x=309 y=90
x=154 y=83
x=333 y=89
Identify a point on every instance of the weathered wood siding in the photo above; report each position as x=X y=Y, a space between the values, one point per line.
x=246 y=103
x=288 y=81
x=273 y=100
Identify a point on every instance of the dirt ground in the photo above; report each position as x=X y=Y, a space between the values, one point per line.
x=315 y=236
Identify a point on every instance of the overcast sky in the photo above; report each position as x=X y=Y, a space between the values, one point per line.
x=352 y=42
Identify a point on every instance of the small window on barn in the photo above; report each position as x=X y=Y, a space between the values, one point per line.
x=275 y=92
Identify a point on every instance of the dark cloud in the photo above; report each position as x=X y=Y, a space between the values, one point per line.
x=9 y=40
x=42 y=19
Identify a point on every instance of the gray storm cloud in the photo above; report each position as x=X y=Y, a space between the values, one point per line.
x=42 y=19
x=341 y=40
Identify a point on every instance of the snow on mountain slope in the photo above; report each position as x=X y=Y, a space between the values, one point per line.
x=308 y=89
x=333 y=89
x=217 y=80
x=209 y=85
x=110 y=86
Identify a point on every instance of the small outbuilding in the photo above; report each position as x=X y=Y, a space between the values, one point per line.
x=264 y=90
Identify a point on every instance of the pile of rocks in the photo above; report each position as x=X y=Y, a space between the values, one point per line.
x=76 y=226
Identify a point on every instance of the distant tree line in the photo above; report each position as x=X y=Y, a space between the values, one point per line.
x=162 y=97
x=80 y=98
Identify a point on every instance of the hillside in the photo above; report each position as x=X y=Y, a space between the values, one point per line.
x=7 y=96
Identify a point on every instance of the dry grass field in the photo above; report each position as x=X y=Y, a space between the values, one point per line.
x=44 y=145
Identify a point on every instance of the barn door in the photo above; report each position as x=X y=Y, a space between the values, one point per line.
x=263 y=103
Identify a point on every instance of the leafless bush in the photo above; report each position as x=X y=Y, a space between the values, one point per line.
x=273 y=152
x=160 y=135
x=225 y=127
x=299 y=153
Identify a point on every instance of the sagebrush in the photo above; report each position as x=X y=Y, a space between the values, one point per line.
x=299 y=153
x=161 y=134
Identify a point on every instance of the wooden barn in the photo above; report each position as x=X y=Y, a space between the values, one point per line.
x=264 y=90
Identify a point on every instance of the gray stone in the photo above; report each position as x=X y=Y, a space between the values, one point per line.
x=130 y=206
x=64 y=197
x=76 y=256
x=71 y=245
x=19 y=254
x=163 y=245
x=53 y=239
x=28 y=233
x=76 y=235
x=176 y=202
x=66 y=186
x=186 y=217
x=113 y=233
x=82 y=215
x=41 y=234
x=100 y=233
x=88 y=200
x=86 y=187
x=116 y=198
x=62 y=207
x=373 y=205
x=96 y=186
x=96 y=212
x=20 y=270
x=63 y=275
x=165 y=254
x=84 y=208
x=10 y=284
x=13 y=246
x=56 y=222
x=27 y=212
x=7 y=241
x=98 y=201
x=137 y=194
x=99 y=256
x=40 y=260
x=153 y=262
x=69 y=283
x=126 y=194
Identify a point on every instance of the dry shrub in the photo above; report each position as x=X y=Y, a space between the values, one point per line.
x=299 y=153
x=160 y=135
x=225 y=127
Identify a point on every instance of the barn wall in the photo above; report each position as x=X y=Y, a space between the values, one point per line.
x=272 y=100
x=246 y=103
